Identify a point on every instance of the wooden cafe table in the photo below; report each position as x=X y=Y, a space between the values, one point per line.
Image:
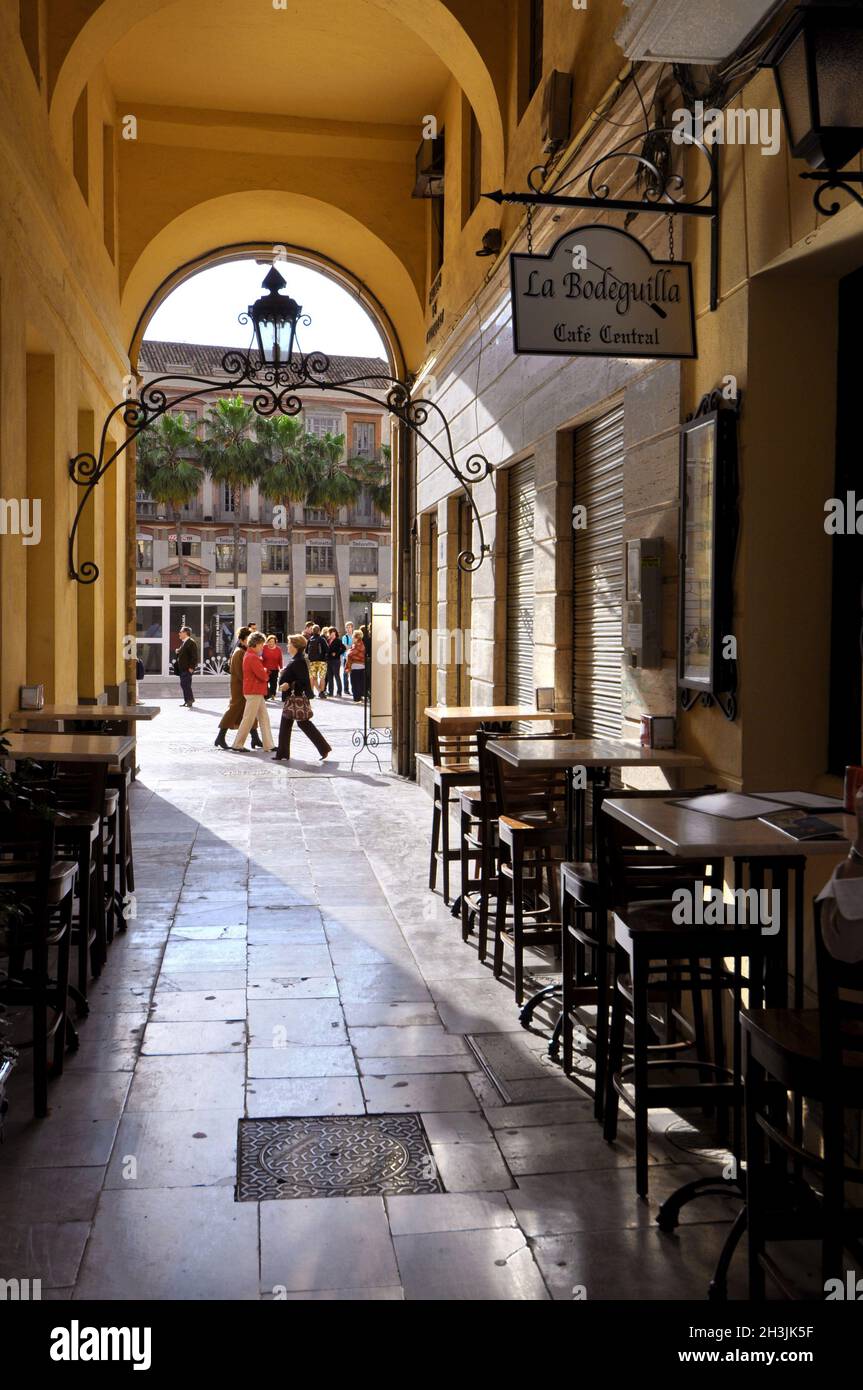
x=110 y=719
x=71 y=716
x=598 y=756
x=689 y=834
x=69 y=748
x=466 y=719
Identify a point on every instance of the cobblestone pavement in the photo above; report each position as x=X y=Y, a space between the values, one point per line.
x=287 y=959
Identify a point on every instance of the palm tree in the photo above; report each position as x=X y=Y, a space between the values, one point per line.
x=231 y=455
x=333 y=488
x=288 y=467
x=374 y=476
x=166 y=471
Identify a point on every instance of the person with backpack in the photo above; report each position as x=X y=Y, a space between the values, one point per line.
x=296 y=687
x=316 y=655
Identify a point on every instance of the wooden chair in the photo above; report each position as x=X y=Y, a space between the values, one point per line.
x=585 y=947
x=42 y=886
x=657 y=962
x=817 y=1054
x=454 y=758
x=532 y=838
x=119 y=779
x=478 y=841
x=76 y=791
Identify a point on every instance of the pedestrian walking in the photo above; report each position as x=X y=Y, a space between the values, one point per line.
x=316 y=654
x=233 y=716
x=346 y=646
x=334 y=661
x=272 y=655
x=185 y=663
x=296 y=687
x=255 y=682
x=356 y=666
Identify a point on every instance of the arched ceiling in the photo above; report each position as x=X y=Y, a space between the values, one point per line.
x=270 y=217
x=310 y=60
x=319 y=106
x=367 y=56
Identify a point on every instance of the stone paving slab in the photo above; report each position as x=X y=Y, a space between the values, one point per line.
x=287 y=959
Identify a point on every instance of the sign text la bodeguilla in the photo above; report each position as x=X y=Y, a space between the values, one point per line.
x=599 y=292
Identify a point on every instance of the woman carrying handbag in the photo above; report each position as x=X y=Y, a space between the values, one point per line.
x=296 y=687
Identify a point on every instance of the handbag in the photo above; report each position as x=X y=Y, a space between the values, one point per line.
x=297 y=707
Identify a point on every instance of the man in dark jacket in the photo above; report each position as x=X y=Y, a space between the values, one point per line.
x=185 y=662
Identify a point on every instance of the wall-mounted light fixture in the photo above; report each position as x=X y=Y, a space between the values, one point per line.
x=817 y=59
x=492 y=242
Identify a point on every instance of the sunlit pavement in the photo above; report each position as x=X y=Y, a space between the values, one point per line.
x=287 y=959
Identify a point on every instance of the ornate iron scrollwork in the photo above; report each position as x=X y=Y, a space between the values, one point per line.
x=832 y=182
x=662 y=186
x=277 y=387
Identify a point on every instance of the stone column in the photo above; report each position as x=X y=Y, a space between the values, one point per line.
x=253 y=579
x=298 y=584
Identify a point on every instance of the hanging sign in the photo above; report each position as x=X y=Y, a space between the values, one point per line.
x=599 y=293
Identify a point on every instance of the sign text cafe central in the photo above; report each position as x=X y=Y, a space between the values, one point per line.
x=598 y=291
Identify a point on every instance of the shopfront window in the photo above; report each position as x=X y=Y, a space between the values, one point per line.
x=276 y=557
x=225 y=556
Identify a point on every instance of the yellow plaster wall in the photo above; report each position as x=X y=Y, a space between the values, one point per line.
x=61 y=353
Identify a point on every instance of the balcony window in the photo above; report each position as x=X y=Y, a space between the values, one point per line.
x=144 y=505
x=276 y=557
x=314 y=515
x=144 y=547
x=320 y=425
x=364 y=442
x=230 y=498
x=319 y=559
x=225 y=556
x=364 y=559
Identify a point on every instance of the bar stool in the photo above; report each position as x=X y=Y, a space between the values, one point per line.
x=817 y=1054
x=77 y=794
x=119 y=779
x=110 y=840
x=532 y=838
x=454 y=757
x=586 y=950
x=43 y=887
x=656 y=962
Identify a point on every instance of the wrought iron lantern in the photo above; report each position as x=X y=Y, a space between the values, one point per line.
x=817 y=59
x=275 y=317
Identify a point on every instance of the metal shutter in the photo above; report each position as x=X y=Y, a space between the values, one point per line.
x=520 y=688
x=598 y=578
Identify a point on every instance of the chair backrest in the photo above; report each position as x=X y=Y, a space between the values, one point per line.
x=451 y=748
x=840 y=1002
x=26 y=856
x=529 y=793
x=487 y=735
x=630 y=866
x=76 y=787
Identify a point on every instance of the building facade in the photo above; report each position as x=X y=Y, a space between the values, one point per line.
x=293 y=563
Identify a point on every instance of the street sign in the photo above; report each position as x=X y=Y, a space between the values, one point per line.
x=599 y=293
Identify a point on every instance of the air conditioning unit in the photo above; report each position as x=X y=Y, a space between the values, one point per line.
x=556 y=111
x=690 y=31
x=430 y=169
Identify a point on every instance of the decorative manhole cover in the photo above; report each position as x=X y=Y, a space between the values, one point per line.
x=334 y=1156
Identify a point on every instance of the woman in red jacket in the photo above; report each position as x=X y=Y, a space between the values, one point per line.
x=256 y=679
